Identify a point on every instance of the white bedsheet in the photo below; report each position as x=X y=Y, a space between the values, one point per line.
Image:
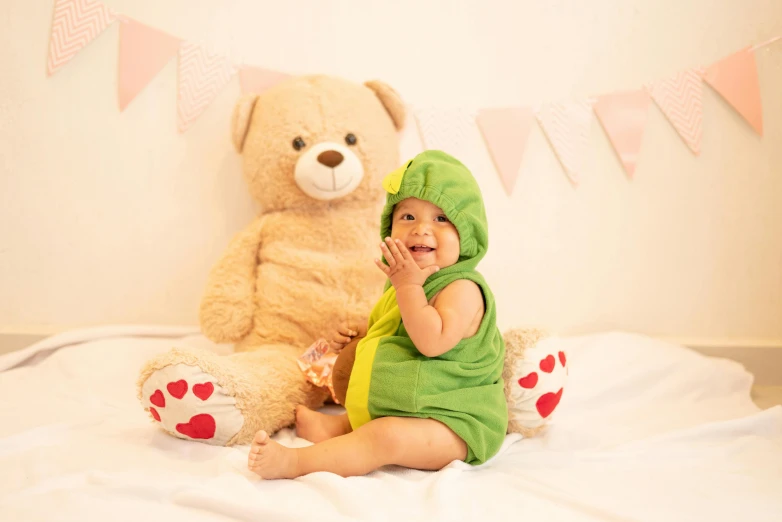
x=645 y=431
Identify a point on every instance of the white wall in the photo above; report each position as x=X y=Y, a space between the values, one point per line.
x=110 y=217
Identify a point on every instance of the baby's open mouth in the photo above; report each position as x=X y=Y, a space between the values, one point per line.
x=421 y=248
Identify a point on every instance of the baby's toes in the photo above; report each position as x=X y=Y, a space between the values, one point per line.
x=253 y=459
x=261 y=438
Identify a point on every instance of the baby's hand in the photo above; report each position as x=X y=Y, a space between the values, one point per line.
x=344 y=333
x=402 y=268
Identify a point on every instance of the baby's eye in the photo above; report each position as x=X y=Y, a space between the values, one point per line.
x=442 y=219
x=407 y=217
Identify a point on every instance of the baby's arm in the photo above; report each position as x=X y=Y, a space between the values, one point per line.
x=433 y=329
x=436 y=329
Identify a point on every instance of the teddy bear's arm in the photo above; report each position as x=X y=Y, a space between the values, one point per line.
x=226 y=313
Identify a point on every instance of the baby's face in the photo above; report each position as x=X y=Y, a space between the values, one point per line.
x=429 y=236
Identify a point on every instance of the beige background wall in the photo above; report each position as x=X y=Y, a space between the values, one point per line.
x=109 y=217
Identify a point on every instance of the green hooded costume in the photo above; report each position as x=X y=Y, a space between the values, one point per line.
x=463 y=387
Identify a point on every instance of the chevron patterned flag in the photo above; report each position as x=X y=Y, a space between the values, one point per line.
x=451 y=130
x=202 y=74
x=76 y=23
x=567 y=126
x=680 y=97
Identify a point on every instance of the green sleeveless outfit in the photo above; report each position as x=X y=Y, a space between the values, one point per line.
x=463 y=387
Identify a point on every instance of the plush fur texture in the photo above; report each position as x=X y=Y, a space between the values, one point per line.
x=304 y=264
x=517 y=341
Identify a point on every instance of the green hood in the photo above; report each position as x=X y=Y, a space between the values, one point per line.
x=441 y=179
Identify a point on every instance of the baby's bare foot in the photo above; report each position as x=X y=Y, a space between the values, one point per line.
x=271 y=460
x=317 y=427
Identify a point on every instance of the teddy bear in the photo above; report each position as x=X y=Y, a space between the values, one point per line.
x=314 y=149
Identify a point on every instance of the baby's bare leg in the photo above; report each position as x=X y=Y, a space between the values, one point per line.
x=413 y=443
x=317 y=427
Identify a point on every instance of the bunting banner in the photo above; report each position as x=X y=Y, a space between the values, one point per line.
x=567 y=125
x=143 y=52
x=201 y=74
x=76 y=23
x=680 y=98
x=623 y=117
x=257 y=80
x=451 y=130
x=735 y=78
x=506 y=132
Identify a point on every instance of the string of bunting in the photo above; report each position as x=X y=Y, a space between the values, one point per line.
x=203 y=73
x=144 y=51
x=622 y=115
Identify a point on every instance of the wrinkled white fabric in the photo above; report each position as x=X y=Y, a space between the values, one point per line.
x=646 y=431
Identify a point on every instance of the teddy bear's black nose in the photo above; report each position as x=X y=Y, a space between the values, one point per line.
x=330 y=158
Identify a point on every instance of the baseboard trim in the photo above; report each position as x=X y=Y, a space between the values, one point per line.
x=11 y=342
x=723 y=343
x=764 y=362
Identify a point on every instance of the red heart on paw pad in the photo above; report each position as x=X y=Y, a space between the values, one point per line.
x=157 y=399
x=203 y=391
x=547 y=402
x=155 y=414
x=547 y=364
x=177 y=389
x=562 y=358
x=201 y=426
x=529 y=381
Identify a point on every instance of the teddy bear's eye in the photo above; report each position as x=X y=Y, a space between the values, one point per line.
x=298 y=143
x=350 y=139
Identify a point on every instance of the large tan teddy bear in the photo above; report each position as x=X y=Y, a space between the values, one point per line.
x=315 y=150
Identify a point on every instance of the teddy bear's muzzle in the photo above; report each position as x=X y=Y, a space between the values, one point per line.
x=328 y=171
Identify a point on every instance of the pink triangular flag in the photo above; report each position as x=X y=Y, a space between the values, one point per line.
x=680 y=97
x=257 y=80
x=506 y=131
x=736 y=79
x=76 y=23
x=566 y=126
x=143 y=51
x=202 y=74
x=623 y=116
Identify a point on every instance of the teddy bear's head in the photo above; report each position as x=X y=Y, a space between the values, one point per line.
x=318 y=141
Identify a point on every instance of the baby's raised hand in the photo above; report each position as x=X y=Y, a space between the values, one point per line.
x=402 y=268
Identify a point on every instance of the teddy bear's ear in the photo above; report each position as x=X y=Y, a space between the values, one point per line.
x=391 y=101
x=240 y=122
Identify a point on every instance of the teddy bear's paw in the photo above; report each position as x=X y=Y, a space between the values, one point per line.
x=189 y=404
x=535 y=385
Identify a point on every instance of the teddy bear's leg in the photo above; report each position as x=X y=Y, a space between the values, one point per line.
x=535 y=372
x=225 y=400
x=343 y=367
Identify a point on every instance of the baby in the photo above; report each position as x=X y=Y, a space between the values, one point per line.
x=426 y=387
